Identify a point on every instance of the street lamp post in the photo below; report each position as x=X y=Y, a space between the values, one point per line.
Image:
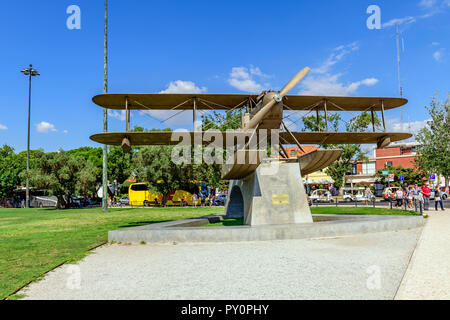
x=30 y=72
x=105 y=115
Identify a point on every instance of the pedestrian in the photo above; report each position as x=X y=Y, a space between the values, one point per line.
x=194 y=200
x=185 y=202
x=438 y=198
x=367 y=195
x=389 y=196
x=399 y=198
x=203 y=198
x=426 y=193
x=410 y=198
x=211 y=200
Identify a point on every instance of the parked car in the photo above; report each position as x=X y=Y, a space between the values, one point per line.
x=221 y=199
x=444 y=195
x=356 y=194
x=321 y=195
x=124 y=200
x=43 y=201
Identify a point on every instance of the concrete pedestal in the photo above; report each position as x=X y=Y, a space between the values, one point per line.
x=273 y=194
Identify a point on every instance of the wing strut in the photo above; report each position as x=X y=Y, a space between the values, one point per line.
x=293 y=137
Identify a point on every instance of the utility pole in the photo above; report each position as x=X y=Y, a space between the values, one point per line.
x=398 y=62
x=30 y=72
x=105 y=115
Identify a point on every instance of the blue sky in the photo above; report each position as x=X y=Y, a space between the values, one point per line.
x=214 y=47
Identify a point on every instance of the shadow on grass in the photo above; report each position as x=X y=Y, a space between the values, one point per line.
x=227 y=223
x=141 y=223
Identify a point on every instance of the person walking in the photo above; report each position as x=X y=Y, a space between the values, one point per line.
x=203 y=198
x=367 y=195
x=399 y=198
x=426 y=192
x=438 y=198
x=410 y=198
x=211 y=200
x=194 y=200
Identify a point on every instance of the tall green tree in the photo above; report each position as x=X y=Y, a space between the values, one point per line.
x=11 y=165
x=433 y=153
x=63 y=175
x=119 y=164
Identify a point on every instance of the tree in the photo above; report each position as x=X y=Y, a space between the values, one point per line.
x=93 y=155
x=119 y=164
x=362 y=122
x=310 y=122
x=350 y=152
x=341 y=167
x=229 y=120
x=11 y=165
x=62 y=174
x=222 y=120
x=410 y=175
x=86 y=180
x=433 y=153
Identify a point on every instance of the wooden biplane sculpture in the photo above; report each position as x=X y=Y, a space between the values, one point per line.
x=264 y=190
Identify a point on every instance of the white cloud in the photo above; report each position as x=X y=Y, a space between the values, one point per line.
x=117 y=114
x=435 y=43
x=45 y=127
x=437 y=55
x=3 y=127
x=323 y=82
x=180 y=119
x=244 y=79
x=180 y=86
x=399 y=21
x=409 y=126
x=427 y=3
x=430 y=7
x=331 y=86
x=65 y=132
x=337 y=55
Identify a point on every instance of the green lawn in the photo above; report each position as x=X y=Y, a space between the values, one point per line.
x=328 y=210
x=34 y=241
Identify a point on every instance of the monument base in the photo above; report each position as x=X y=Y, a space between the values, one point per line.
x=273 y=194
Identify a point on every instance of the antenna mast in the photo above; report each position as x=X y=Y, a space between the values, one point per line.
x=398 y=62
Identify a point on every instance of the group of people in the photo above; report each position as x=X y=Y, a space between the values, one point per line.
x=406 y=195
x=202 y=197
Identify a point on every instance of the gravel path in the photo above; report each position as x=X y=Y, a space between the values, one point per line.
x=368 y=266
x=428 y=274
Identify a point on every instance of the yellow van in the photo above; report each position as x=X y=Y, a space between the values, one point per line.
x=140 y=195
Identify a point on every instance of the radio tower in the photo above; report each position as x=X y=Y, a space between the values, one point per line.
x=397 y=37
x=398 y=62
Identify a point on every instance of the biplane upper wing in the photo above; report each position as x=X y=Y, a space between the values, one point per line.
x=205 y=101
x=173 y=138
x=342 y=103
x=167 y=101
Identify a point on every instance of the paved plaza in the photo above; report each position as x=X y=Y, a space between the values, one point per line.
x=408 y=264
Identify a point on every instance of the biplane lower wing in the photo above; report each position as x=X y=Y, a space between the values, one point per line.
x=173 y=138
